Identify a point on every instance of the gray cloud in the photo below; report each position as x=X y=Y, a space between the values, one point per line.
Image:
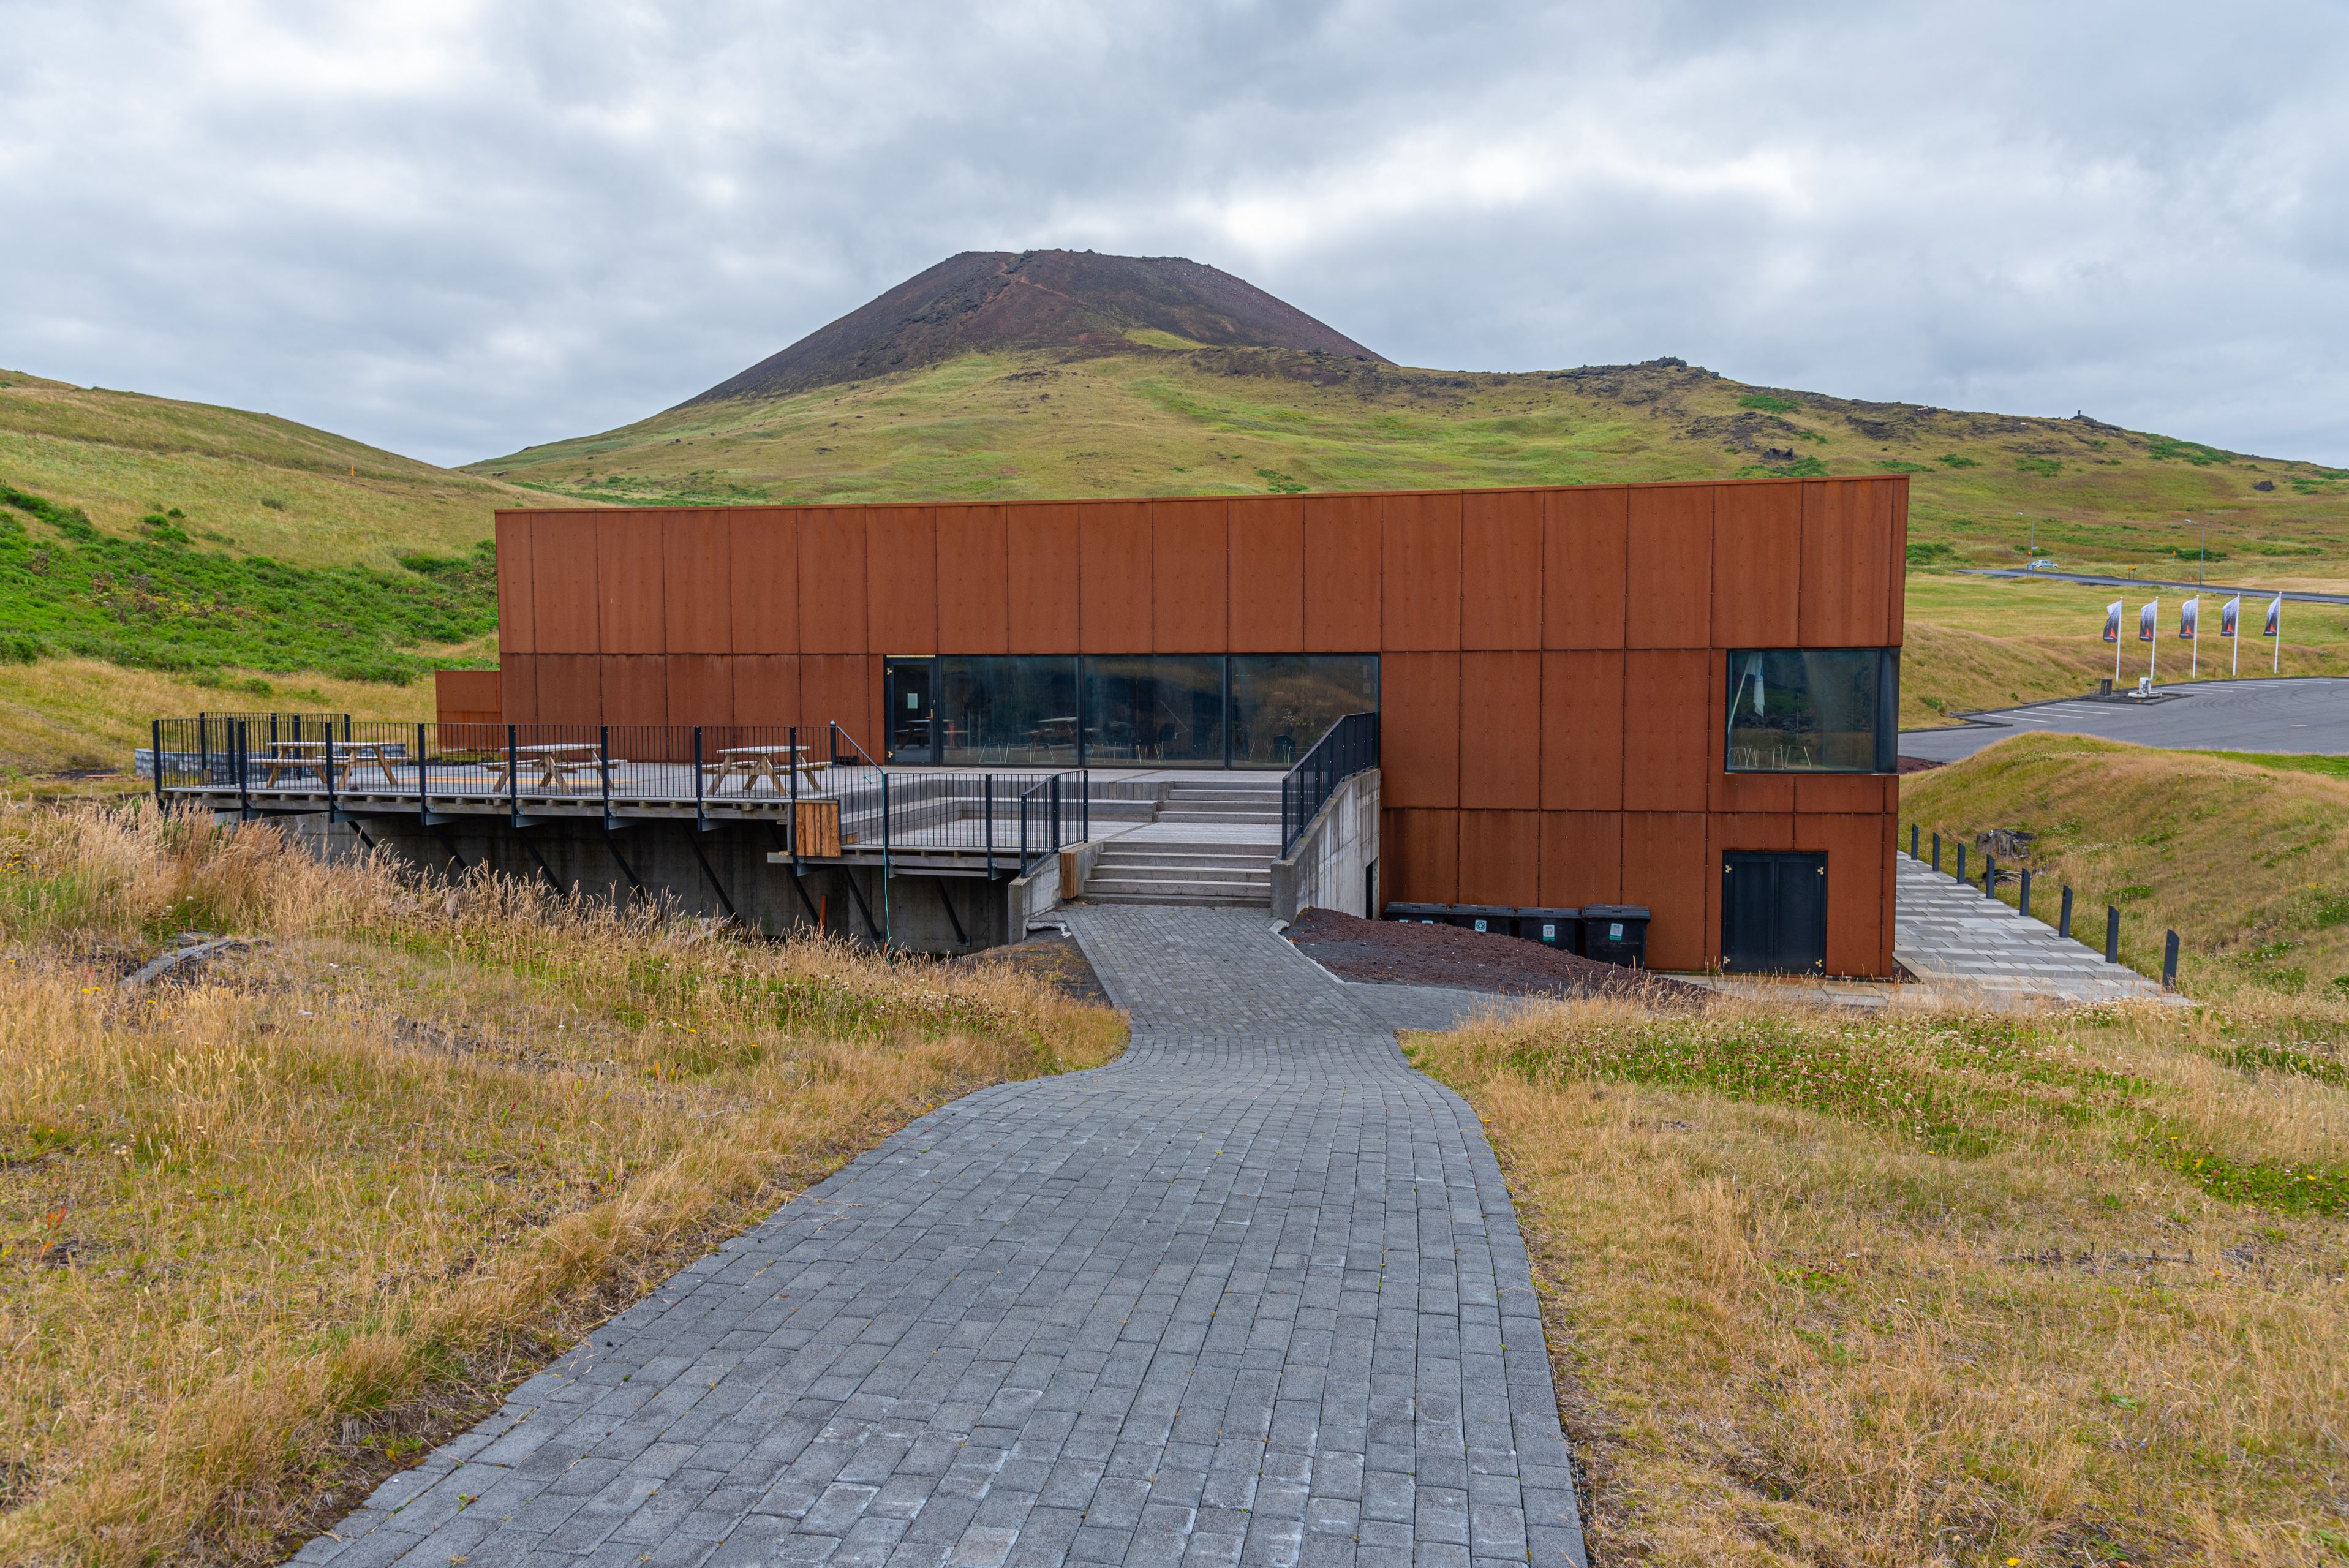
x=453 y=228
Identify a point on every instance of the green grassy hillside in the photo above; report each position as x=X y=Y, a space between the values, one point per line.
x=1244 y=421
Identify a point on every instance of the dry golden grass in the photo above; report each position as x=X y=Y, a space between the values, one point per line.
x=2249 y=864
x=268 y=1235
x=1935 y=1289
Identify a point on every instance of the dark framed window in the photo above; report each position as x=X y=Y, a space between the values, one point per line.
x=1005 y=712
x=1153 y=708
x=1814 y=710
x=1283 y=703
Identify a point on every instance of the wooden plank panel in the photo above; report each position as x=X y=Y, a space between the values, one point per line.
x=516 y=625
x=1849 y=572
x=1500 y=857
x=1757 y=551
x=1501 y=552
x=832 y=581
x=1582 y=730
x=901 y=576
x=1668 y=560
x=974 y=607
x=763 y=547
x=1343 y=572
x=1190 y=573
x=570 y=690
x=1664 y=868
x=564 y=604
x=1267 y=575
x=1501 y=715
x=1858 y=851
x=701 y=688
x=1665 y=721
x=1041 y=537
x=1419 y=856
x=518 y=688
x=636 y=689
x=632 y=597
x=1581 y=858
x=1419 y=587
x=1419 y=732
x=1113 y=565
x=767 y=688
x=1585 y=549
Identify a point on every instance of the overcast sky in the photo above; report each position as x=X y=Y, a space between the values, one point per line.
x=453 y=228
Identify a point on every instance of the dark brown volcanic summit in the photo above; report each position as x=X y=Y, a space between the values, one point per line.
x=984 y=300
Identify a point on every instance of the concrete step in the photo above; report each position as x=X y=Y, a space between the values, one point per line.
x=1217 y=814
x=1186 y=900
x=1178 y=877
x=1109 y=864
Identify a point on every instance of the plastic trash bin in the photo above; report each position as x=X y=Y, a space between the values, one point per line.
x=1421 y=913
x=1557 y=928
x=1492 y=918
x=1616 y=933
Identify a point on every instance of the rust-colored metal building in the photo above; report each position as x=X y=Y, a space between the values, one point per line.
x=1615 y=694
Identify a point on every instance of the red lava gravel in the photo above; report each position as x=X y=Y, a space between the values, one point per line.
x=1407 y=953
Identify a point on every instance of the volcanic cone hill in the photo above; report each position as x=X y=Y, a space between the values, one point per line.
x=987 y=301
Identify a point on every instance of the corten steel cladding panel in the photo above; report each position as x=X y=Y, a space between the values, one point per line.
x=1042 y=540
x=1343 y=574
x=1896 y=499
x=570 y=688
x=696 y=556
x=1757 y=549
x=701 y=688
x=832 y=690
x=563 y=584
x=832 y=581
x=1855 y=849
x=1420 y=586
x=972 y=581
x=467 y=696
x=1667 y=588
x=1190 y=577
x=1850 y=578
x=1419 y=729
x=1500 y=857
x=1582 y=731
x=518 y=688
x=767 y=688
x=1268 y=576
x=1845 y=792
x=1500 y=732
x=1113 y=577
x=1500 y=576
x=1666 y=712
x=636 y=689
x=1585 y=548
x=901 y=576
x=516 y=624
x=632 y=599
x=1419 y=855
x=1581 y=858
x=1664 y=868
x=763 y=547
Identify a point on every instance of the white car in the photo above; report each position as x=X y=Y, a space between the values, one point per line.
x=2042 y=566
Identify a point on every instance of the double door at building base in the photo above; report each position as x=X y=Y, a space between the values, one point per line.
x=1774 y=912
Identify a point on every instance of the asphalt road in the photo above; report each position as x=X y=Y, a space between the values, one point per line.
x=2307 y=713
x=2210 y=589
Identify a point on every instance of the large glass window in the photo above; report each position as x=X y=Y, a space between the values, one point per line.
x=1154 y=709
x=996 y=712
x=1283 y=703
x=1814 y=710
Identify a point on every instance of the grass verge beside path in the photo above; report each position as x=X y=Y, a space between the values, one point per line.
x=1950 y=1289
x=267 y=1236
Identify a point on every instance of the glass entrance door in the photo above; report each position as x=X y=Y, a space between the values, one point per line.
x=909 y=687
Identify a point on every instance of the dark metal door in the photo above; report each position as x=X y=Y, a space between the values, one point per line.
x=907 y=688
x=1774 y=912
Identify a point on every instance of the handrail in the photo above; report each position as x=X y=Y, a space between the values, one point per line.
x=1350 y=747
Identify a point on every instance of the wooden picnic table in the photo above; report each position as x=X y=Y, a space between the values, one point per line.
x=556 y=763
x=752 y=763
x=310 y=757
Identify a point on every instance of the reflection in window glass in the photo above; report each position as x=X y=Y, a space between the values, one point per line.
x=1816 y=710
x=1283 y=703
x=1155 y=710
x=1007 y=712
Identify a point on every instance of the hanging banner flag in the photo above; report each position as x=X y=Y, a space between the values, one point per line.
x=2190 y=620
x=2113 y=622
x=2275 y=618
x=2229 y=614
x=2145 y=619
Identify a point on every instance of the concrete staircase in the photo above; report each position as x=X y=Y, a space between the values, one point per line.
x=1228 y=861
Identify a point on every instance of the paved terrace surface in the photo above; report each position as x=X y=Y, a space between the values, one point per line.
x=1950 y=935
x=1252 y=1294
x=2306 y=714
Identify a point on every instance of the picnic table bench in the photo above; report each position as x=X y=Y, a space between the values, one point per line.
x=349 y=757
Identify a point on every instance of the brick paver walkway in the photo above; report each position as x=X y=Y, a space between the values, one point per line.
x=1950 y=935
x=1252 y=1294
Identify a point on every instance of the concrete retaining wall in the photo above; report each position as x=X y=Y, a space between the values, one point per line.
x=1334 y=864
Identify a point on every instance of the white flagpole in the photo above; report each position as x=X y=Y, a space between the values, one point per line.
x=2235 y=660
x=2275 y=666
x=2118 y=620
x=2194 y=665
x=2153 y=648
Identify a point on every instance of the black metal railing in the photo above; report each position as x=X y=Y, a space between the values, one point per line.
x=1350 y=747
x=1054 y=812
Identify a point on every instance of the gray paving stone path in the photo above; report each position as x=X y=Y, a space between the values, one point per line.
x=1253 y=1295
x=1952 y=936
